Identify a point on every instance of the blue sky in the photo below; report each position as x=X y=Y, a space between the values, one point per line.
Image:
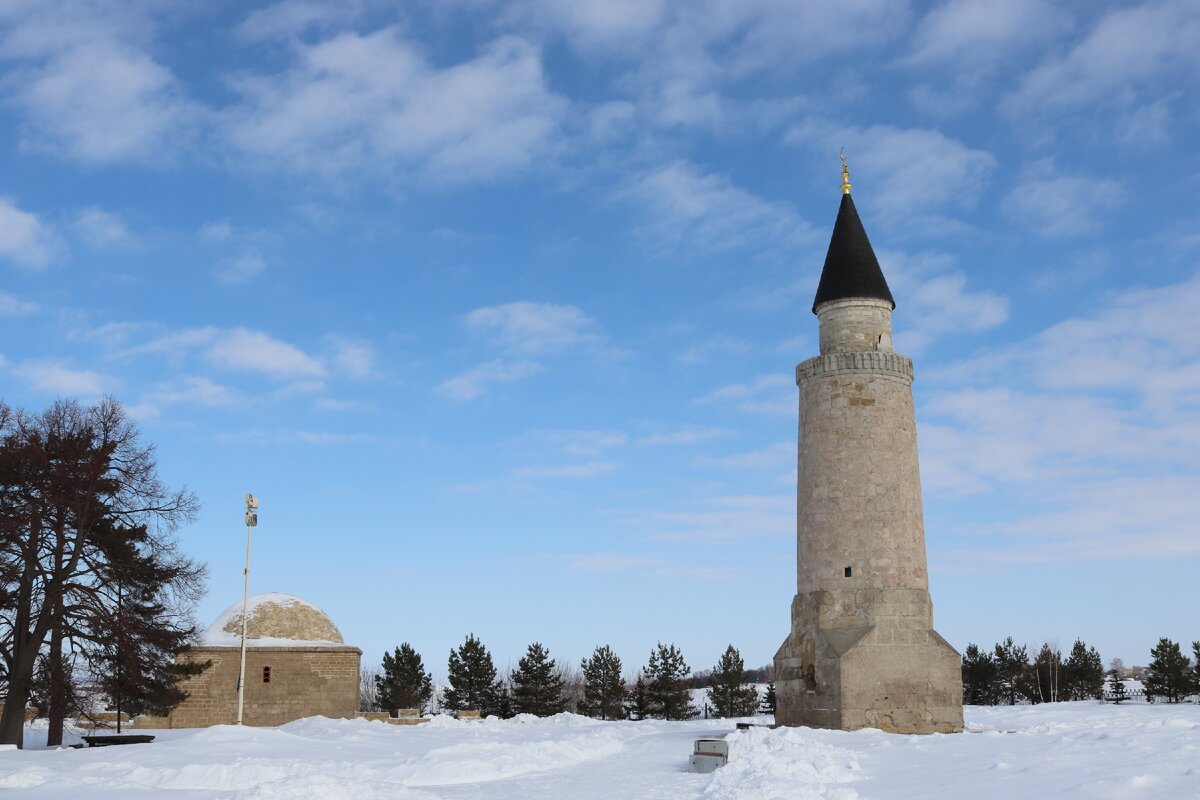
x=496 y=305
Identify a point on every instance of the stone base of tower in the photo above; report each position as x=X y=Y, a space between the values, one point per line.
x=846 y=674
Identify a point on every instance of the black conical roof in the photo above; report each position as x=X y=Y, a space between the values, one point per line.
x=851 y=269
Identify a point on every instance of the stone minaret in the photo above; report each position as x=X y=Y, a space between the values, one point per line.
x=862 y=652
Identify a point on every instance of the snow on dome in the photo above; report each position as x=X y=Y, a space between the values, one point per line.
x=273 y=620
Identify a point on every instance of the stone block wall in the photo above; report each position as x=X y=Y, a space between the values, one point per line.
x=304 y=682
x=855 y=325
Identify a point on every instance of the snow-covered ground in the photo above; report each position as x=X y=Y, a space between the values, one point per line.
x=1066 y=750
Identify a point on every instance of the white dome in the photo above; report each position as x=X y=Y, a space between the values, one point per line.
x=273 y=620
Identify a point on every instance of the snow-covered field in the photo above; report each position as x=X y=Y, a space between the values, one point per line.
x=1068 y=750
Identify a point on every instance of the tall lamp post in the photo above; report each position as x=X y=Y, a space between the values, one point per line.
x=251 y=521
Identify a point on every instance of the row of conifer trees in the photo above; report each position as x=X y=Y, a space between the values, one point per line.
x=538 y=686
x=1006 y=675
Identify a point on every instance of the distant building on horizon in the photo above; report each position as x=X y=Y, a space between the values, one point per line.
x=862 y=651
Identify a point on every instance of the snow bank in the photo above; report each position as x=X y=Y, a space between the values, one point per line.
x=784 y=764
x=1061 y=750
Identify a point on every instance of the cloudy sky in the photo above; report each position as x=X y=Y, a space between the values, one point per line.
x=496 y=305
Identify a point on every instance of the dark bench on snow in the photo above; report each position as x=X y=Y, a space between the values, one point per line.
x=108 y=740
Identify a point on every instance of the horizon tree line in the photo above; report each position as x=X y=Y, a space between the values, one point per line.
x=1006 y=675
x=542 y=686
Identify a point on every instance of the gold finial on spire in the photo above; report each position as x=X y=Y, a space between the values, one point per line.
x=845 y=172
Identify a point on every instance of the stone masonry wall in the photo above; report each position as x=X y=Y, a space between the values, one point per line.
x=855 y=325
x=304 y=682
x=862 y=651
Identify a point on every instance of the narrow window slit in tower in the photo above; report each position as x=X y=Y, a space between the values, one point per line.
x=847 y=572
x=266 y=674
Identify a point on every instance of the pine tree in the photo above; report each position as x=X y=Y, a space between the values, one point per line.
x=667 y=684
x=1116 y=686
x=537 y=688
x=603 y=688
x=404 y=682
x=1012 y=664
x=770 y=700
x=1170 y=675
x=978 y=677
x=472 y=678
x=1196 y=666
x=729 y=694
x=1083 y=673
x=1047 y=673
x=504 y=701
x=637 y=702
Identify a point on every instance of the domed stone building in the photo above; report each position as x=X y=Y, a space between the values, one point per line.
x=297 y=665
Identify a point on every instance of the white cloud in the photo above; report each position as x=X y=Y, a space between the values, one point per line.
x=1085 y=432
x=478 y=379
x=723 y=519
x=966 y=33
x=1129 y=53
x=736 y=38
x=60 y=379
x=714 y=347
x=353 y=357
x=770 y=457
x=364 y=103
x=102 y=229
x=24 y=238
x=582 y=443
x=285 y=437
x=293 y=17
x=88 y=86
x=588 y=470
x=240 y=269
x=1054 y=204
x=911 y=175
x=935 y=300
x=773 y=394
x=219 y=231
x=533 y=328
x=684 y=436
x=620 y=562
x=255 y=351
x=688 y=207
x=11 y=306
x=189 y=390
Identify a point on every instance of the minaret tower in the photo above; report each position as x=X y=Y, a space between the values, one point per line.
x=862 y=652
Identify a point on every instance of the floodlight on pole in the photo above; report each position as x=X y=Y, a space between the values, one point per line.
x=251 y=521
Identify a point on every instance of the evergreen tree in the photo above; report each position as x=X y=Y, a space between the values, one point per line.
x=1012 y=664
x=637 y=702
x=667 y=684
x=1047 y=676
x=1170 y=675
x=404 y=682
x=504 y=701
x=770 y=700
x=472 y=678
x=1116 y=686
x=537 y=688
x=603 y=689
x=979 y=677
x=1196 y=666
x=729 y=694
x=1083 y=673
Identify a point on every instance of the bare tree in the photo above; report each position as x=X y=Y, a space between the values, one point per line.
x=368 y=690
x=87 y=560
